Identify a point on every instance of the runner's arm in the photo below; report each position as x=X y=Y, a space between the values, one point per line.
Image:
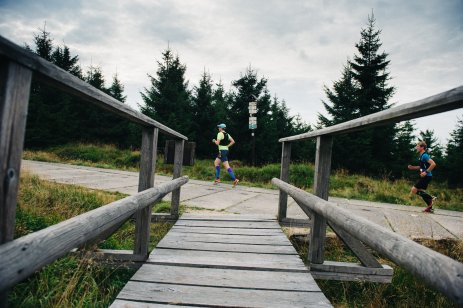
x=232 y=142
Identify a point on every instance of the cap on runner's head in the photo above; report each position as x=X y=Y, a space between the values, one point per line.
x=222 y=126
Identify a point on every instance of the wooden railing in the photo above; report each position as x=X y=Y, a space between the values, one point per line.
x=17 y=65
x=441 y=272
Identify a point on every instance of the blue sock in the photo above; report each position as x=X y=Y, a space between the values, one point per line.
x=217 y=172
x=230 y=171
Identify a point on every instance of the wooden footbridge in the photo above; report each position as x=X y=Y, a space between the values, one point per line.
x=232 y=261
x=223 y=261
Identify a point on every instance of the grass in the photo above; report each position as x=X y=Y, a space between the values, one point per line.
x=342 y=184
x=80 y=281
x=75 y=280
x=405 y=290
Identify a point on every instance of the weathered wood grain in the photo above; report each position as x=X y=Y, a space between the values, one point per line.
x=351 y=277
x=59 y=78
x=229 y=224
x=230 y=231
x=15 y=81
x=226 y=247
x=227 y=259
x=359 y=250
x=284 y=176
x=146 y=181
x=295 y=222
x=219 y=297
x=25 y=255
x=228 y=217
x=268 y=280
x=439 y=271
x=220 y=270
x=178 y=162
x=321 y=186
x=445 y=101
x=352 y=268
x=223 y=238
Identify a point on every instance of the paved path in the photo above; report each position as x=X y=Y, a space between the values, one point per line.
x=222 y=198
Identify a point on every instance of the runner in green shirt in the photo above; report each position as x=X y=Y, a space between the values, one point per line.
x=223 y=141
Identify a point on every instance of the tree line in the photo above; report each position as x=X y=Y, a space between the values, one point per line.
x=56 y=118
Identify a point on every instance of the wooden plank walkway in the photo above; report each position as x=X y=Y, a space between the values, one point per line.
x=223 y=261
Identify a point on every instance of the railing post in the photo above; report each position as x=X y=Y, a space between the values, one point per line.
x=178 y=163
x=15 y=82
x=146 y=180
x=15 y=85
x=321 y=186
x=284 y=176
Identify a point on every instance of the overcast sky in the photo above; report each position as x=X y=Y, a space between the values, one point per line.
x=299 y=46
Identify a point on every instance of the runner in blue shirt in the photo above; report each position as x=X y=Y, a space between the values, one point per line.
x=426 y=165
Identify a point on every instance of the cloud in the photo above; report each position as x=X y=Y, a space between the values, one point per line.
x=299 y=46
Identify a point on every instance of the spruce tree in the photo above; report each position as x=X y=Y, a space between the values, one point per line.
x=369 y=70
x=168 y=99
x=342 y=105
x=221 y=102
x=204 y=126
x=434 y=147
x=248 y=88
x=116 y=89
x=61 y=57
x=454 y=161
x=51 y=116
x=404 y=152
x=363 y=89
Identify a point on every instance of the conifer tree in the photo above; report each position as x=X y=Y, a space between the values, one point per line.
x=168 y=98
x=434 y=147
x=221 y=102
x=61 y=57
x=248 y=88
x=51 y=114
x=342 y=98
x=204 y=126
x=454 y=161
x=363 y=89
x=116 y=89
x=404 y=152
x=369 y=70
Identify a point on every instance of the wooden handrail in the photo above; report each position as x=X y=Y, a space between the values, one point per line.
x=23 y=256
x=59 y=78
x=439 y=271
x=445 y=101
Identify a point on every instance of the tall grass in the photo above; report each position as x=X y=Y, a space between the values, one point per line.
x=75 y=280
x=342 y=184
x=405 y=290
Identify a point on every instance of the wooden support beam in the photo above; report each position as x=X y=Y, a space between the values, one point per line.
x=146 y=181
x=359 y=250
x=178 y=164
x=346 y=271
x=15 y=83
x=295 y=223
x=163 y=217
x=321 y=186
x=284 y=176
